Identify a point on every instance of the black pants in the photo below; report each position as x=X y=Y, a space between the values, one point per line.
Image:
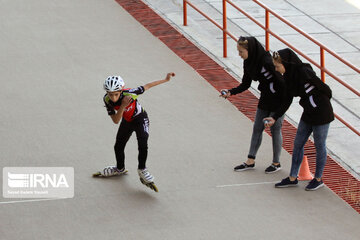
x=141 y=127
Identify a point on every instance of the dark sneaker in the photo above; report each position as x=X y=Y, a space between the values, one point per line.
x=273 y=168
x=314 y=185
x=286 y=183
x=244 y=167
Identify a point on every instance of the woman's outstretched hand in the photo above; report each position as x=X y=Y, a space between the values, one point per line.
x=224 y=93
x=269 y=121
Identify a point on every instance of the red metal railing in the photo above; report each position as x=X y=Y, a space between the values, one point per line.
x=268 y=11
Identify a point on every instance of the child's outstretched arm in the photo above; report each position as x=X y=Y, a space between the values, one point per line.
x=155 y=83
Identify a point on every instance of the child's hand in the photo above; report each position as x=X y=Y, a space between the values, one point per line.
x=126 y=101
x=169 y=75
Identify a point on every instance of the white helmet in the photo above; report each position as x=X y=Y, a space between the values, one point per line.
x=114 y=83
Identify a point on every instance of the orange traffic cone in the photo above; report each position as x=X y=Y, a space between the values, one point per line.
x=304 y=173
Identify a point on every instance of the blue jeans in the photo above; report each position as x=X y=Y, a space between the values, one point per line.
x=320 y=133
x=258 y=129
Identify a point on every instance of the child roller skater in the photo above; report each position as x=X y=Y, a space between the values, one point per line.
x=122 y=106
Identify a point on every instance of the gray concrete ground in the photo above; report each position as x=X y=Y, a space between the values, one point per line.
x=55 y=56
x=332 y=23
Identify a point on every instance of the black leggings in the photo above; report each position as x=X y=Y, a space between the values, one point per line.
x=141 y=127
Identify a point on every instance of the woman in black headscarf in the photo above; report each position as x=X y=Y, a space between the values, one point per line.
x=315 y=95
x=258 y=66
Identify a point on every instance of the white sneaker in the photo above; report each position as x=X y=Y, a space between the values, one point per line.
x=145 y=175
x=112 y=171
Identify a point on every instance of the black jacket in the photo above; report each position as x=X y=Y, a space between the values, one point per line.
x=301 y=80
x=259 y=67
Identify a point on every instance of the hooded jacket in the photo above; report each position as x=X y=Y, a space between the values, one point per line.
x=301 y=80
x=259 y=67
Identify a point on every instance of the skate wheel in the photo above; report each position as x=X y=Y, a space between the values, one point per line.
x=97 y=174
x=149 y=185
x=153 y=187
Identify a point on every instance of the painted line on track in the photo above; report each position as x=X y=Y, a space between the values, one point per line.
x=245 y=184
x=32 y=200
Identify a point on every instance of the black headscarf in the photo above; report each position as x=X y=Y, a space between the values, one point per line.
x=292 y=64
x=256 y=53
x=296 y=72
x=290 y=61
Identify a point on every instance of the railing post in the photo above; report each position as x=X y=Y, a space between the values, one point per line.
x=322 y=63
x=267 y=23
x=224 y=30
x=184 y=13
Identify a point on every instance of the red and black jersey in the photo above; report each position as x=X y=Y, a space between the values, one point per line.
x=132 y=110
